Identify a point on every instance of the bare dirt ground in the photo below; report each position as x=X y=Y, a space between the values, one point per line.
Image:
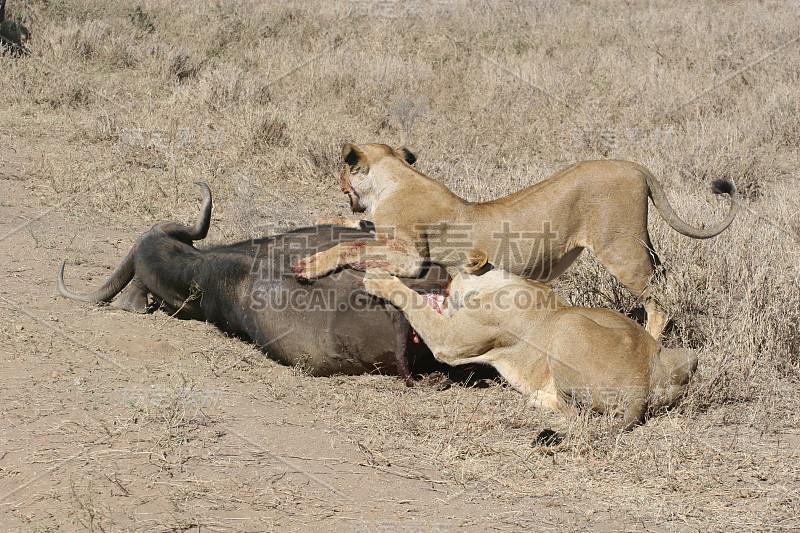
x=120 y=422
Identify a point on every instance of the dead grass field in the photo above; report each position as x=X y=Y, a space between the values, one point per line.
x=115 y=422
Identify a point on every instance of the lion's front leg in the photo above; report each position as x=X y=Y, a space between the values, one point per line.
x=398 y=257
x=428 y=323
x=541 y=399
x=450 y=339
x=321 y=263
x=346 y=222
x=393 y=290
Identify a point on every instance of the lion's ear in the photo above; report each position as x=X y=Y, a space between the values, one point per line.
x=476 y=260
x=405 y=153
x=354 y=157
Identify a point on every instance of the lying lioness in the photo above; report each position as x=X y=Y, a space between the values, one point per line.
x=561 y=356
x=536 y=233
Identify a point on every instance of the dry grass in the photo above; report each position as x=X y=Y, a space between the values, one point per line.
x=128 y=104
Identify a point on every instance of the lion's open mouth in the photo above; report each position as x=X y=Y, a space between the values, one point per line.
x=355 y=199
x=355 y=202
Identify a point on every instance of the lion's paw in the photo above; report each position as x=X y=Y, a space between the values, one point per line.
x=338 y=221
x=379 y=284
x=310 y=268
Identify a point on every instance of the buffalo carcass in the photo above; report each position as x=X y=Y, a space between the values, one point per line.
x=330 y=326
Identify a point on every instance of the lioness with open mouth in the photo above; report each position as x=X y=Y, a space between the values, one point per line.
x=561 y=356
x=535 y=233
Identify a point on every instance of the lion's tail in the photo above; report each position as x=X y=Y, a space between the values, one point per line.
x=719 y=186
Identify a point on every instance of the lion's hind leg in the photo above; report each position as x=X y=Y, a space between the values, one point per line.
x=657 y=316
x=636 y=265
x=634 y=413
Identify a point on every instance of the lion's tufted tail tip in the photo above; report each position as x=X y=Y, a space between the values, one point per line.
x=549 y=438
x=723 y=186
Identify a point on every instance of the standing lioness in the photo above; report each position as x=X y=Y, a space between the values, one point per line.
x=535 y=233
x=558 y=355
